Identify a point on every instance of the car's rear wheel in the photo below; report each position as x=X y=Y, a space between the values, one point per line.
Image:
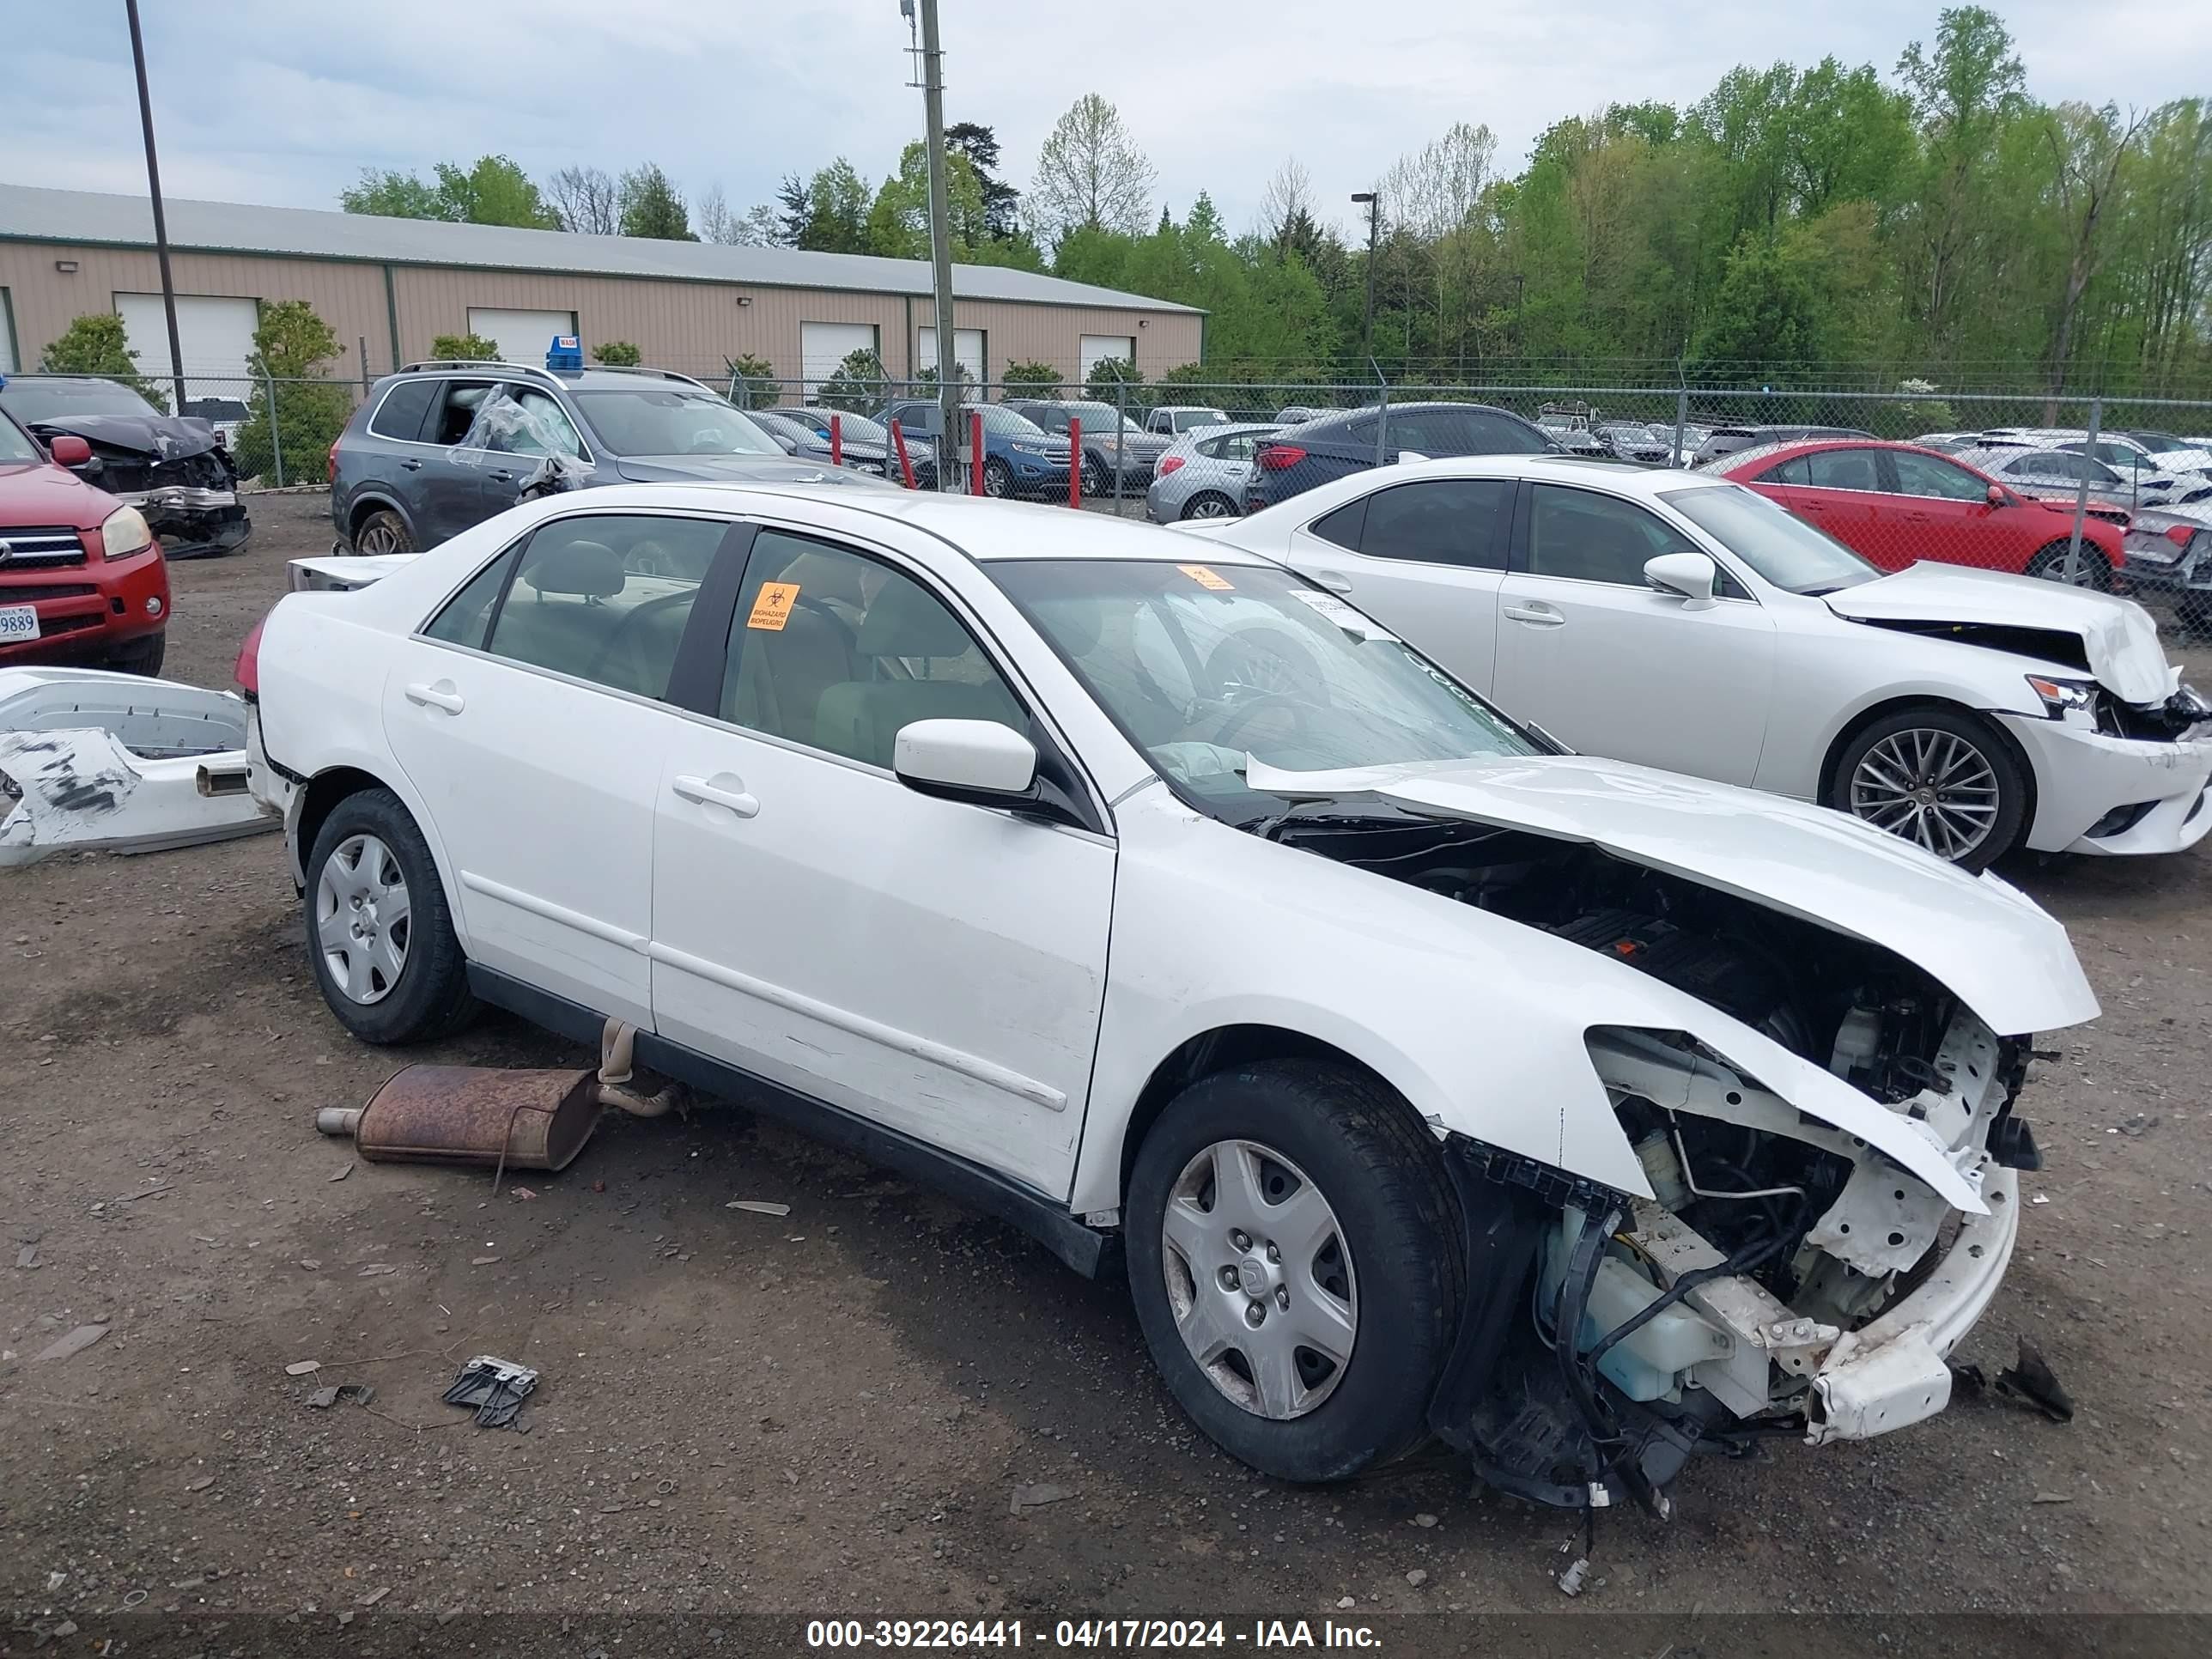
x=1094 y=478
x=379 y=932
x=1209 y=504
x=2094 y=571
x=383 y=532
x=141 y=656
x=1294 y=1259
x=1939 y=777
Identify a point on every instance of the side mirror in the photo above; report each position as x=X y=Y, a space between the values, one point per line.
x=978 y=761
x=1688 y=576
x=1998 y=497
x=70 y=451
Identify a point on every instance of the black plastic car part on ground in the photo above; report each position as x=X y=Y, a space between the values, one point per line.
x=174 y=469
x=1300 y=457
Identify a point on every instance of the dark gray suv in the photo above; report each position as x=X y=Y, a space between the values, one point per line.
x=440 y=446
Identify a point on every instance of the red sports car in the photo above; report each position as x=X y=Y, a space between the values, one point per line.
x=1898 y=503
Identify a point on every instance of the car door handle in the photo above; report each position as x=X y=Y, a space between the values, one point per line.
x=711 y=794
x=501 y=476
x=1536 y=616
x=410 y=464
x=441 y=696
x=1334 y=582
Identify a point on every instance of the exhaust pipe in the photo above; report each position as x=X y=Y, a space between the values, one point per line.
x=472 y=1114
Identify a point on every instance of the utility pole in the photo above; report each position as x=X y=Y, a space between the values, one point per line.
x=1373 y=200
x=161 y=221
x=940 y=248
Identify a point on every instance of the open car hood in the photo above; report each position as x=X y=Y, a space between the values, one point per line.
x=1985 y=940
x=2118 y=640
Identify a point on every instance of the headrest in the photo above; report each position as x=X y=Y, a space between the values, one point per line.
x=905 y=620
x=590 y=568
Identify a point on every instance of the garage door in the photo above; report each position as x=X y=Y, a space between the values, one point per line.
x=967 y=351
x=523 y=337
x=1098 y=347
x=214 y=335
x=822 y=346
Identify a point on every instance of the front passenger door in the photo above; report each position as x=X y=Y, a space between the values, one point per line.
x=1589 y=649
x=448 y=484
x=935 y=966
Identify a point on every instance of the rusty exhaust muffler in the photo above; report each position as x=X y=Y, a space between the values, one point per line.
x=472 y=1114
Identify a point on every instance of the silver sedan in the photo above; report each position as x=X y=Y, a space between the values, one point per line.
x=1201 y=475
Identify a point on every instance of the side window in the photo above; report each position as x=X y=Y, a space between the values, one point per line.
x=835 y=651
x=1493 y=434
x=1212 y=449
x=1242 y=447
x=468 y=612
x=1795 y=470
x=1594 y=538
x=1360 y=431
x=524 y=421
x=604 y=597
x=1843 y=468
x=1052 y=420
x=400 y=414
x=1431 y=431
x=1923 y=474
x=1343 y=526
x=1449 y=521
x=456 y=412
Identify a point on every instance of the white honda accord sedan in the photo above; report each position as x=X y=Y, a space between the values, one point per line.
x=1387 y=1044
x=1685 y=622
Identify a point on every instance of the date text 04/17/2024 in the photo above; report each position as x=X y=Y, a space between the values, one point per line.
x=1087 y=1634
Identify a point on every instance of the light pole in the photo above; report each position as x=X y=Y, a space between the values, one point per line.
x=1372 y=201
x=161 y=223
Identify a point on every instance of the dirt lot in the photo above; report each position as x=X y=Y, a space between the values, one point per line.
x=830 y=1412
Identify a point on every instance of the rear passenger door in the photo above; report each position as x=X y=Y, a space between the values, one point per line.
x=1425 y=559
x=1845 y=494
x=534 y=710
x=933 y=965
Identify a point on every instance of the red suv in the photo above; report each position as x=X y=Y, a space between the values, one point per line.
x=1895 y=503
x=81 y=578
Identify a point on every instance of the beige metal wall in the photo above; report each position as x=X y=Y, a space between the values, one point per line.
x=689 y=326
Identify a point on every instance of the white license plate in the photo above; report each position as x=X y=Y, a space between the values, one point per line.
x=18 y=623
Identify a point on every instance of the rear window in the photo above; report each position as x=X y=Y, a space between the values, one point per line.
x=400 y=414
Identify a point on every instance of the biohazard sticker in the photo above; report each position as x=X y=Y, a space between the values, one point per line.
x=772 y=606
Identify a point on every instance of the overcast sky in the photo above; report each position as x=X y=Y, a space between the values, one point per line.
x=256 y=100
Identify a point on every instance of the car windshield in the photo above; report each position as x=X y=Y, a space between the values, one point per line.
x=1100 y=418
x=1184 y=419
x=672 y=421
x=1204 y=667
x=13 y=445
x=1772 y=540
x=1008 y=423
x=34 y=400
x=853 y=428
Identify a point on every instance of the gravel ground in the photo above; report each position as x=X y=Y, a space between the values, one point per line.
x=832 y=1412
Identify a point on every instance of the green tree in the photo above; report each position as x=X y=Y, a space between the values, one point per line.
x=95 y=343
x=464 y=348
x=1091 y=174
x=898 y=220
x=1111 y=379
x=292 y=348
x=857 y=386
x=651 y=206
x=494 y=191
x=838 y=210
x=753 y=384
x=1033 y=379
x=979 y=147
x=617 y=353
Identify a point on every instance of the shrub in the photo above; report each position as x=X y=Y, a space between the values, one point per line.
x=94 y=343
x=753 y=384
x=1032 y=380
x=291 y=348
x=858 y=386
x=472 y=348
x=1108 y=376
x=617 y=353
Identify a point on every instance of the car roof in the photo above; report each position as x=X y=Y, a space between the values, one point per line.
x=1644 y=483
x=1730 y=464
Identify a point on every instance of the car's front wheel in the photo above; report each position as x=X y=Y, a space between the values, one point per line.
x=998 y=479
x=1296 y=1262
x=1939 y=777
x=379 y=932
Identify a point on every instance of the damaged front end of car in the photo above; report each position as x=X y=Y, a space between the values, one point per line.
x=177 y=471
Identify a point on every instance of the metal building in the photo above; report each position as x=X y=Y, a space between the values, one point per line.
x=388 y=286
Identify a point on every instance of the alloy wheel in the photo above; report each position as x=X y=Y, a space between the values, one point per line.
x=1259 y=1278
x=363 y=921
x=1930 y=787
x=380 y=535
x=1208 y=506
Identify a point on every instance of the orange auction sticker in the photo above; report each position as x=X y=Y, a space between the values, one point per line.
x=1205 y=578
x=772 y=606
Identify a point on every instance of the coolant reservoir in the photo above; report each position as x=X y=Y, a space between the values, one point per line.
x=1647 y=1364
x=1857 y=1040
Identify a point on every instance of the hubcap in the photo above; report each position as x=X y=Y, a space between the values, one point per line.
x=1259 y=1278
x=363 y=921
x=1929 y=786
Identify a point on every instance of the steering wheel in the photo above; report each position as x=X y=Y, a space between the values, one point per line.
x=1233 y=727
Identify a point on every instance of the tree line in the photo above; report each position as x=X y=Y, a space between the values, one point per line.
x=1828 y=225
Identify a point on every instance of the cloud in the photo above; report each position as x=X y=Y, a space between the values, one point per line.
x=251 y=105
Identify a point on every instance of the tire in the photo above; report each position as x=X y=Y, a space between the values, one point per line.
x=998 y=479
x=2049 y=565
x=1939 y=737
x=369 y=839
x=383 y=532
x=1397 y=1263
x=1209 y=504
x=1094 y=479
x=141 y=656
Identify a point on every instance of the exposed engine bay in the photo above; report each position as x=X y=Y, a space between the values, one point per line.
x=1754 y=1291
